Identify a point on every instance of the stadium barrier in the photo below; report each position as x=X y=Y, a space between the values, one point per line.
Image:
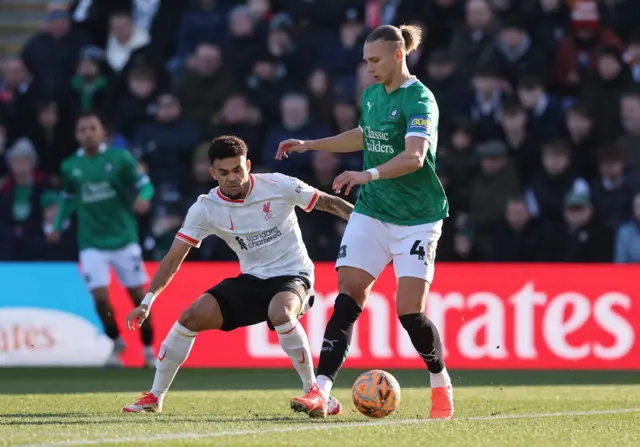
x=491 y=316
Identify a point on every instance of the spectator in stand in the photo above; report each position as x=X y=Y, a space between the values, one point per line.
x=544 y=110
x=124 y=38
x=553 y=182
x=612 y=191
x=631 y=56
x=240 y=118
x=52 y=136
x=497 y=182
x=17 y=97
x=267 y=83
x=205 y=21
x=4 y=168
x=581 y=237
x=342 y=51
x=578 y=50
x=296 y=123
x=346 y=117
x=138 y=104
x=52 y=55
x=584 y=141
x=166 y=145
x=627 y=248
x=244 y=43
x=203 y=89
x=520 y=237
x=486 y=100
x=449 y=86
x=90 y=89
x=522 y=142
x=472 y=39
x=441 y=17
x=629 y=141
x=462 y=164
x=551 y=19
x=320 y=92
x=514 y=53
x=292 y=55
x=602 y=89
x=22 y=200
x=322 y=234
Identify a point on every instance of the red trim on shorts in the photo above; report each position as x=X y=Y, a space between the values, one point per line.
x=314 y=200
x=227 y=199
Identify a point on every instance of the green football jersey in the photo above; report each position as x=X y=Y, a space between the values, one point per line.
x=386 y=120
x=102 y=188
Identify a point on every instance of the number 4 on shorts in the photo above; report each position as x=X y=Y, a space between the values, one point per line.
x=417 y=250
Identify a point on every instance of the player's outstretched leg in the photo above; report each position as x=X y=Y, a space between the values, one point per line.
x=146 y=330
x=203 y=314
x=284 y=309
x=411 y=301
x=355 y=285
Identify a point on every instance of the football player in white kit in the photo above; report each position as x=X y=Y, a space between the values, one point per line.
x=255 y=215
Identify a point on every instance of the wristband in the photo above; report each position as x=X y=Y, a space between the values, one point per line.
x=375 y=174
x=148 y=300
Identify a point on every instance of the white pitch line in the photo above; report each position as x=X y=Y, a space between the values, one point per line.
x=309 y=427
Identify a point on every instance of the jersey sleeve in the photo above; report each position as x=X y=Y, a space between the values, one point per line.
x=135 y=177
x=195 y=227
x=297 y=192
x=422 y=117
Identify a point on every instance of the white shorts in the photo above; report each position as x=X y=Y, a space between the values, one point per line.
x=127 y=262
x=370 y=244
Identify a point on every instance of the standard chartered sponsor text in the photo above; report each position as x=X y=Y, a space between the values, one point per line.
x=256 y=240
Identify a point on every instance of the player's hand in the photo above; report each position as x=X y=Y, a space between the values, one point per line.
x=350 y=179
x=141 y=206
x=53 y=237
x=286 y=147
x=137 y=316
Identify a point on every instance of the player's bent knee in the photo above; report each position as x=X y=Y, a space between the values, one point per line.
x=356 y=283
x=203 y=314
x=284 y=307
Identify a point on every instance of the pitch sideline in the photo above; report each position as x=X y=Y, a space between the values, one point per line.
x=309 y=427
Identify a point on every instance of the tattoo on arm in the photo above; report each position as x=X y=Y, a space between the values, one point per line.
x=334 y=205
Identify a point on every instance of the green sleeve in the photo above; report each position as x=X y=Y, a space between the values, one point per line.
x=422 y=116
x=66 y=201
x=136 y=178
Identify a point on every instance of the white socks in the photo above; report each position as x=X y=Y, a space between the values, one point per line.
x=294 y=342
x=173 y=352
x=325 y=384
x=441 y=379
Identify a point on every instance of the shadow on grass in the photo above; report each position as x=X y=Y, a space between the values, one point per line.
x=40 y=419
x=93 y=380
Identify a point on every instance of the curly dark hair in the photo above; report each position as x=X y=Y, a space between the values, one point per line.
x=226 y=146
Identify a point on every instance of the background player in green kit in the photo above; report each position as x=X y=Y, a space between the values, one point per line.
x=398 y=215
x=98 y=182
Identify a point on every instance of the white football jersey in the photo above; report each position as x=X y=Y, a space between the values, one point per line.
x=262 y=228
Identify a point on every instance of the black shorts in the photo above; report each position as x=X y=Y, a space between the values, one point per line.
x=244 y=300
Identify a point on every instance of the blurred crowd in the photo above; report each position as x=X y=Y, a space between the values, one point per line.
x=539 y=144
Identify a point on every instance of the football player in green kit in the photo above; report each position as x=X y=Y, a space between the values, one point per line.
x=398 y=215
x=97 y=183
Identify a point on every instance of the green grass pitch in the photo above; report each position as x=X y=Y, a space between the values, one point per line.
x=74 y=407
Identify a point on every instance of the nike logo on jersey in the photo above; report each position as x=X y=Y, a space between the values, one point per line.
x=231 y=227
x=164 y=354
x=423 y=102
x=304 y=357
x=369 y=105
